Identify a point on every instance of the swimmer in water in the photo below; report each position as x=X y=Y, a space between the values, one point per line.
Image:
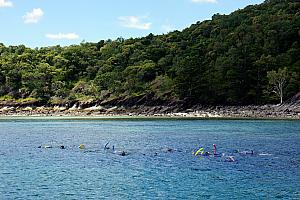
x=229 y=159
x=106 y=147
x=45 y=146
x=215 y=151
x=251 y=152
x=201 y=152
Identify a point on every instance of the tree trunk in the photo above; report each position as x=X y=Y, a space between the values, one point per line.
x=281 y=93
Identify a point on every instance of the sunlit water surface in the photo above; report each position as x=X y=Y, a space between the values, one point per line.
x=149 y=171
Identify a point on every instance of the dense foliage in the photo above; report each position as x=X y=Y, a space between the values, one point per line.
x=220 y=61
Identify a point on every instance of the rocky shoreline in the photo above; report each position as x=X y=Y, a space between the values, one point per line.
x=197 y=111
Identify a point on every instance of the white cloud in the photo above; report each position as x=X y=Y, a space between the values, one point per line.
x=34 y=16
x=63 y=36
x=167 y=28
x=204 y=1
x=134 y=22
x=5 y=3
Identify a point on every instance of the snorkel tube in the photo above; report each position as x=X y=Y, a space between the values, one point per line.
x=215 y=149
x=201 y=151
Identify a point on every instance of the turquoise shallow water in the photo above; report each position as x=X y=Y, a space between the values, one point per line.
x=149 y=171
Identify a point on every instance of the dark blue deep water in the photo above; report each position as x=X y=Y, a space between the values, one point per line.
x=149 y=171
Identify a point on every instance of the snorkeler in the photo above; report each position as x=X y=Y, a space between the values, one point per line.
x=201 y=152
x=215 y=149
x=106 y=147
x=168 y=150
x=251 y=152
x=45 y=146
x=215 y=152
x=229 y=159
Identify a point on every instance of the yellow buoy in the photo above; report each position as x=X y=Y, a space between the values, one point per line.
x=81 y=146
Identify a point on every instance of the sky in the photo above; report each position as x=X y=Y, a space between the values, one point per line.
x=41 y=23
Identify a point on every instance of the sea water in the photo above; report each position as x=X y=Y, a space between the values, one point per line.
x=159 y=163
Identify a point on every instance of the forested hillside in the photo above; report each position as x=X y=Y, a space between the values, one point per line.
x=220 y=61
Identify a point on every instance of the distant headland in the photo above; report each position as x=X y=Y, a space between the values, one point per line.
x=228 y=66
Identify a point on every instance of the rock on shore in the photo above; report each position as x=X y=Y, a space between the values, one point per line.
x=197 y=111
x=289 y=110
